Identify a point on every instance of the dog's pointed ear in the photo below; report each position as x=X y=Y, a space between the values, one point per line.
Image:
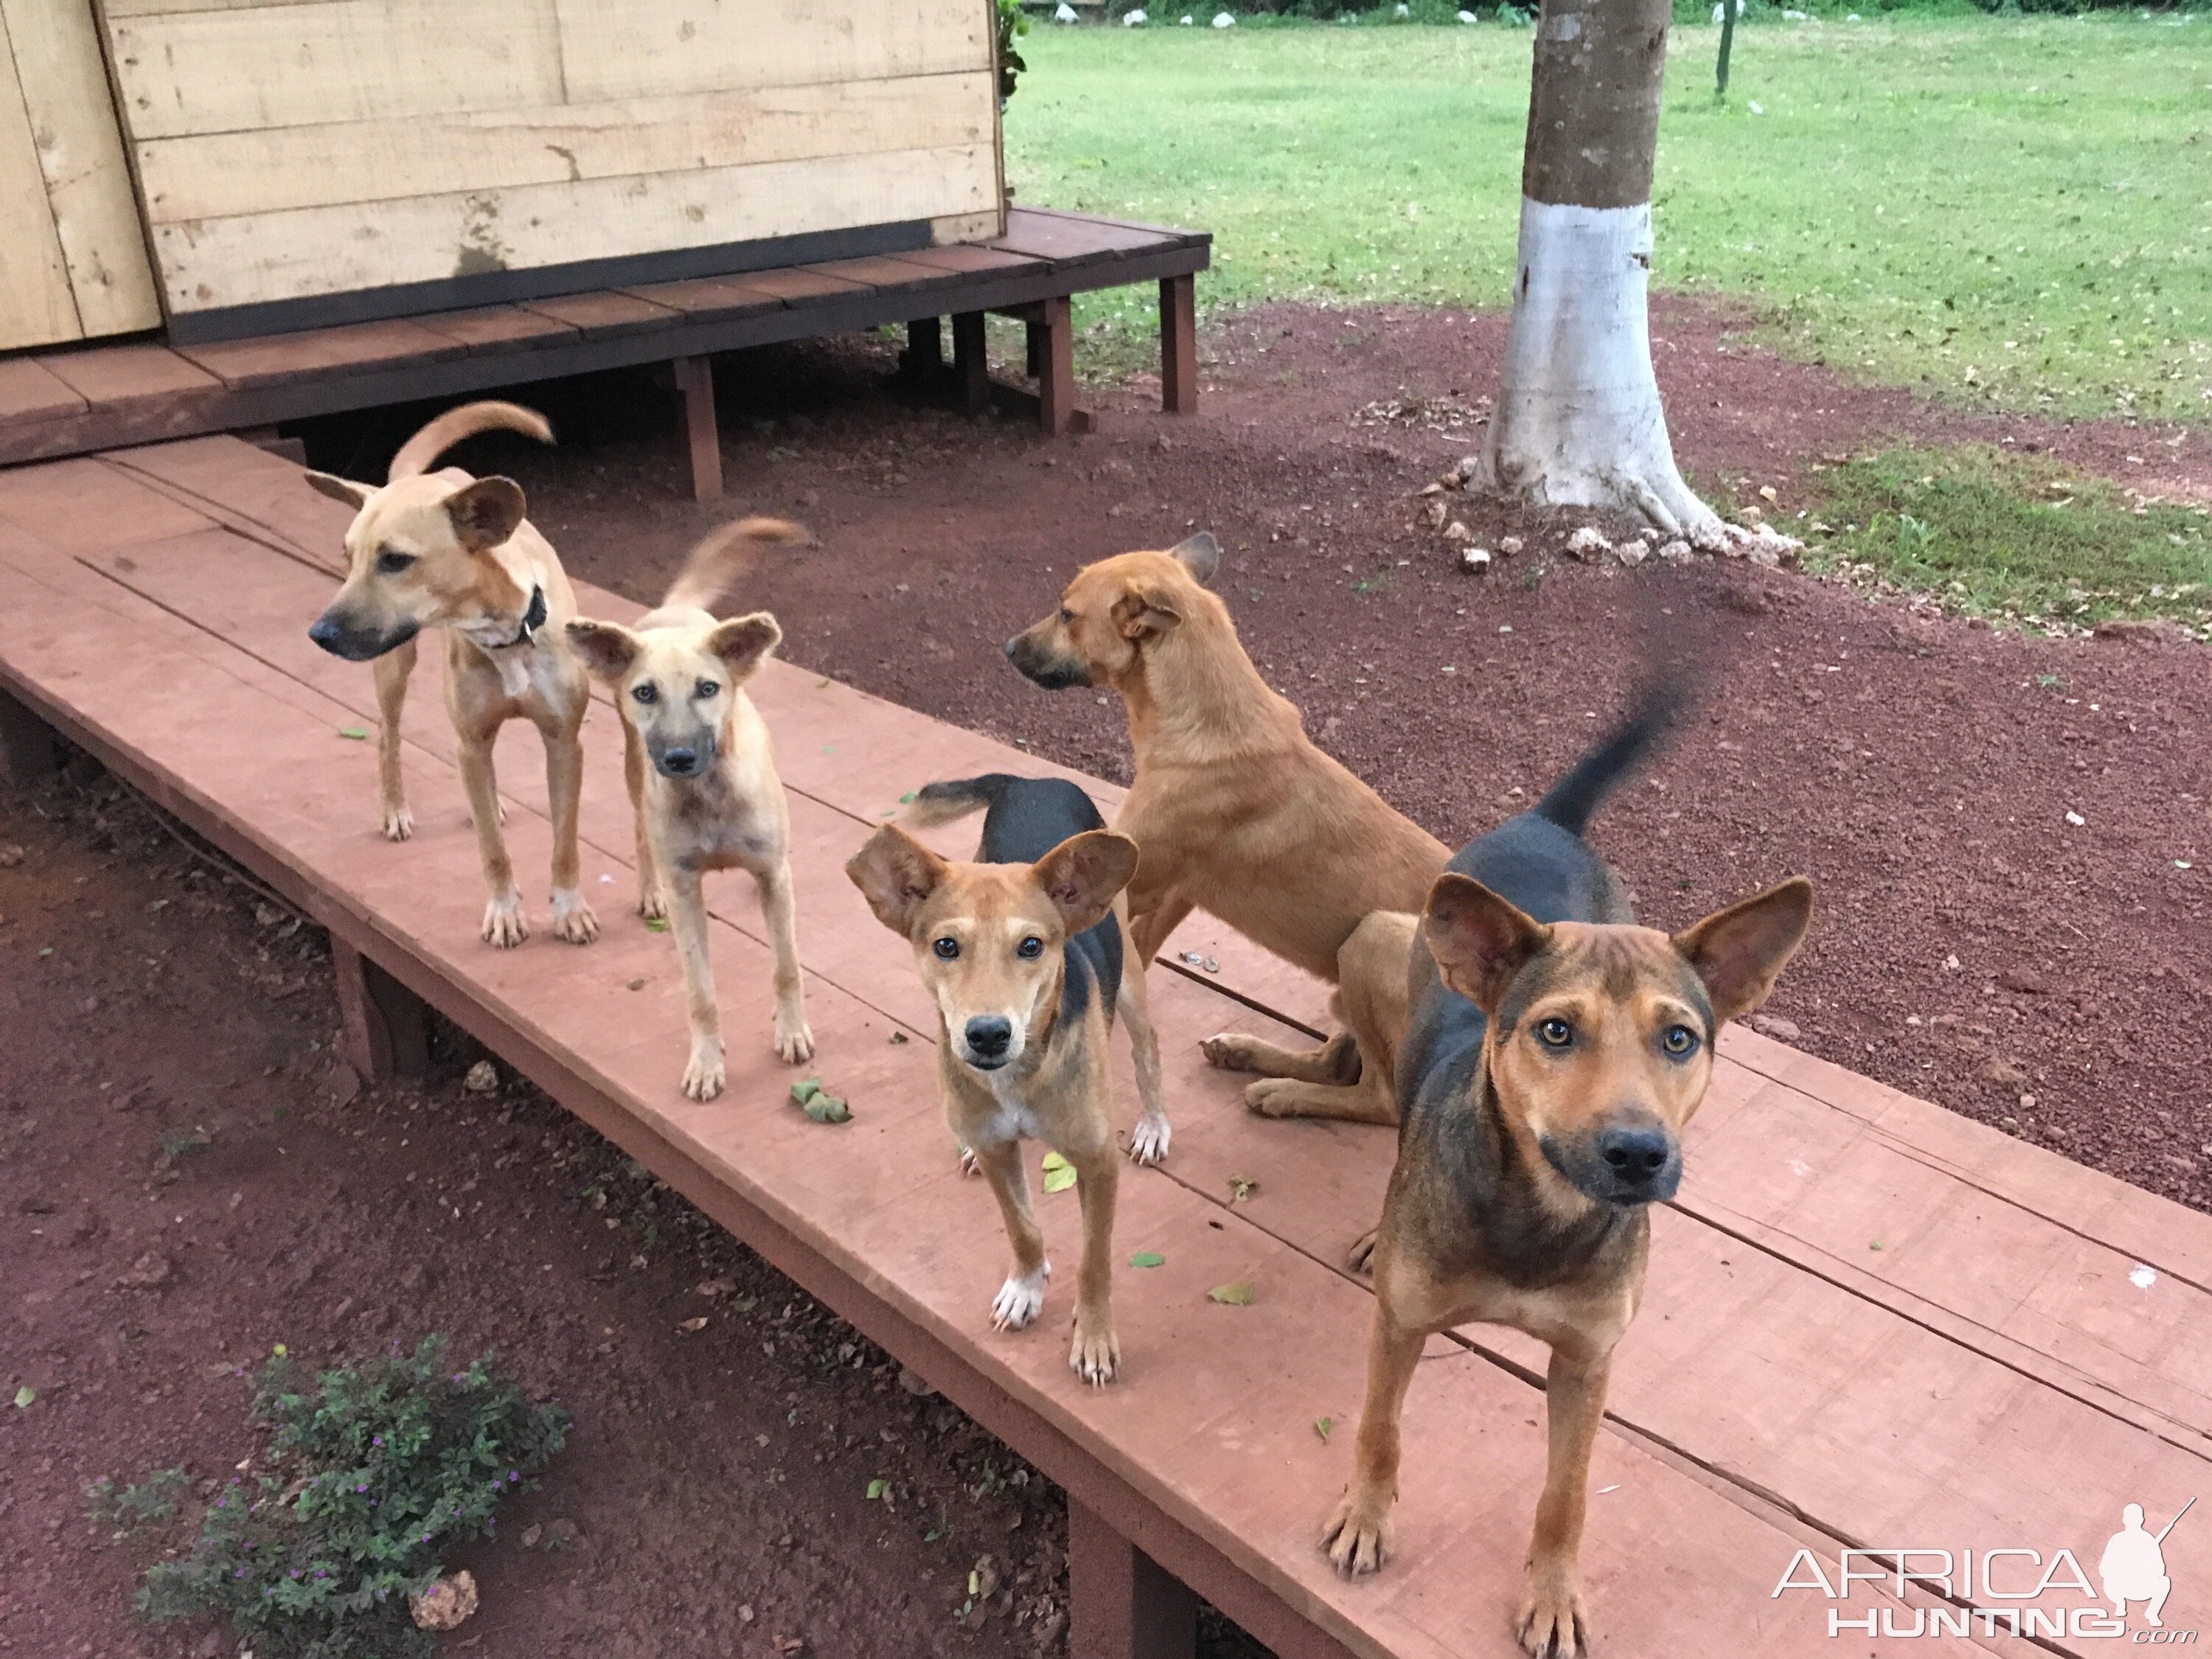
x=1200 y=555
x=353 y=495
x=1741 y=951
x=896 y=874
x=1480 y=941
x=606 y=649
x=486 y=512
x=1082 y=874
x=743 y=642
x=1145 y=612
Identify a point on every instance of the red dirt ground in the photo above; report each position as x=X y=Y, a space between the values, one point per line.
x=1919 y=771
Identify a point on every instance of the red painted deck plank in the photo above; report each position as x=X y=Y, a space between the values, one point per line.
x=606 y=315
x=1214 y=1422
x=32 y=394
x=489 y=329
x=278 y=359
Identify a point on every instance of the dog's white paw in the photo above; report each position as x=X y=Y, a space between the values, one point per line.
x=398 y=823
x=703 y=1077
x=1096 y=1355
x=1020 y=1300
x=969 y=1164
x=1148 y=1141
x=504 y=924
x=1229 y=1050
x=573 y=918
x=794 y=1041
x=653 y=903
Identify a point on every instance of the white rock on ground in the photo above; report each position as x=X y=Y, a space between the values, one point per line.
x=1633 y=553
x=1509 y=545
x=1468 y=17
x=1475 y=560
x=483 y=1079
x=1456 y=532
x=1064 y=13
x=1676 y=552
x=1587 y=543
x=446 y=1603
x=1132 y=20
x=1222 y=20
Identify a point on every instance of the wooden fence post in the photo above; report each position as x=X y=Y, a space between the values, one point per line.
x=384 y=1025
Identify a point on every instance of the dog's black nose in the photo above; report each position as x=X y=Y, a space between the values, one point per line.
x=988 y=1036
x=1635 y=1155
x=1013 y=645
x=679 y=762
x=326 y=633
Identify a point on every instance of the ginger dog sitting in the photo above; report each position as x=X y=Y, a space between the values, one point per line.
x=1548 y=1053
x=1238 y=811
x=702 y=775
x=445 y=551
x=1022 y=952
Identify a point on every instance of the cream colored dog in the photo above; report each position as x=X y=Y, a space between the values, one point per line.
x=447 y=550
x=702 y=775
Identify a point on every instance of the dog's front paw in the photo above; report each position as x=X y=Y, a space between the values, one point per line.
x=702 y=1078
x=1096 y=1353
x=398 y=822
x=1148 y=1141
x=1360 y=1258
x=1553 y=1623
x=573 y=918
x=1272 y=1097
x=504 y=924
x=1358 y=1534
x=969 y=1164
x=1228 y=1050
x=653 y=903
x=794 y=1042
x=1020 y=1300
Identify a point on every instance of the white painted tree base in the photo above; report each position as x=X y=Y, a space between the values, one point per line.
x=1578 y=423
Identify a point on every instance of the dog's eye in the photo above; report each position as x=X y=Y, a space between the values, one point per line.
x=391 y=562
x=1066 y=616
x=946 y=949
x=647 y=692
x=1554 y=1033
x=1678 y=1041
x=706 y=688
x=1030 y=949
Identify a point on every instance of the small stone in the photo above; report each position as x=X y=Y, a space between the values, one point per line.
x=1435 y=513
x=1773 y=1025
x=1588 y=543
x=1676 y=552
x=149 y=1271
x=2024 y=982
x=1633 y=553
x=2010 y=1125
x=2004 y=1073
x=2027 y=1103
x=483 y=1079
x=1475 y=560
x=1508 y=546
x=10 y=855
x=531 y=1534
x=1457 y=533
x=447 y=1603
x=744 y=1613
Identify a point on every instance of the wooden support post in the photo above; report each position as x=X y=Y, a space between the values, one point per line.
x=971 y=360
x=1179 y=344
x=1122 y=1605
x=26 y=745
x=924 y=356
x=1056 y=370
x=695 y=379
x=384 y=1025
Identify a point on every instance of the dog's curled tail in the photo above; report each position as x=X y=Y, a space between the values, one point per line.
x=724 y=555
x=1607 y=764
x=941 y=803
x=417 y=455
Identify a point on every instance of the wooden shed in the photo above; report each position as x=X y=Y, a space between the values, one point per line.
x=306 y=162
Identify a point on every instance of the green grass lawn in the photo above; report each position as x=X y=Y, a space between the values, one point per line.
x=2011 y=208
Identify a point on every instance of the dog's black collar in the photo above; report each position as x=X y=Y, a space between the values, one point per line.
x=534 y=618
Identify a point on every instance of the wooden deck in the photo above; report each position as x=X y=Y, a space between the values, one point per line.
x=73 y=402
x=1871 y=1323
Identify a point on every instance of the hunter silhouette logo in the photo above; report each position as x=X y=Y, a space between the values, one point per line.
x=2133 y=1566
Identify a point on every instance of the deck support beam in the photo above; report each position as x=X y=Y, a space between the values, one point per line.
x=695 y=379
x=385 y=1027
x=971 y=360
x=26 y=745
x=1122 y=1604
x=1179 y=344
x=924 y=356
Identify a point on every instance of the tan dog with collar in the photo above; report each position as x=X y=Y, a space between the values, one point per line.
x=447 y=550
x=702 y=776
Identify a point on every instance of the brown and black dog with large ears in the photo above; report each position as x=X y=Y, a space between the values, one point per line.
x=1022 y=952
x=1547 y=1054
x=1238 y=812
x=443 y=549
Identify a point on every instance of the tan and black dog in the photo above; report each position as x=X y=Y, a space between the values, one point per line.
x=1022 y=951
x=702 y=776
x=1548 y=1053
x=443 y=549
x=1238 y=812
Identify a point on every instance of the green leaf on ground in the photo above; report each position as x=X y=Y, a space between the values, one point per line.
x=1322 y=1426
x=906 y=799
x=1242 y=1187
x=358 y=733
x=1235 y=1294
x=827 y=1109
x=1058 y=1173
x=877 y=1488
x=1147 y=1259
x=656 y=924
x=25 y=1395
x=805 y=1090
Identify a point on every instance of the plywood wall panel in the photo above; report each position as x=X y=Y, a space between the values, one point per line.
x=36 y=305
x=258 y=258
x=640 y=48
x=223 y=175
x=55 y=47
